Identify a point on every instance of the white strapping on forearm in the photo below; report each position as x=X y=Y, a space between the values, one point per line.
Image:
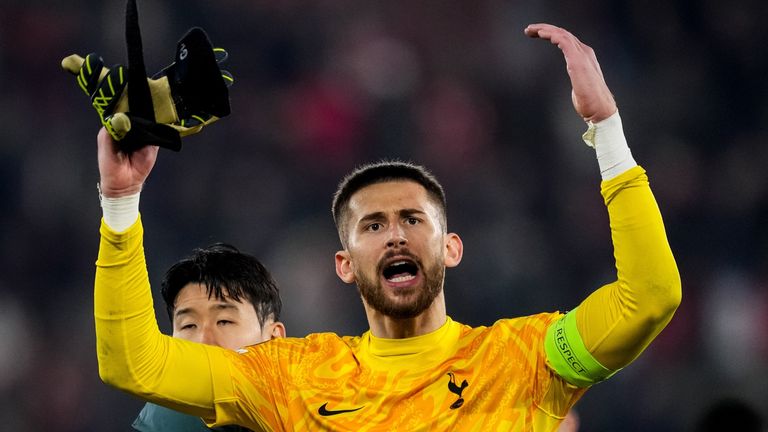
x=120 y=213
x=607 y=138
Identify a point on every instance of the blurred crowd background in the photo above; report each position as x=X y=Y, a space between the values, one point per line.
x=324 y=85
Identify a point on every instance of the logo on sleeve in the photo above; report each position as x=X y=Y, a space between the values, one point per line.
x=325 y=412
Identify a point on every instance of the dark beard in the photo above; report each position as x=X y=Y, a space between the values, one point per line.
x=373 y=293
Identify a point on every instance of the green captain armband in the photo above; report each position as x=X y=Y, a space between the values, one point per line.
x=568 y=356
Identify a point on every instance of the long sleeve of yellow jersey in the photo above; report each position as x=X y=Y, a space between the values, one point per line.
x=133 y=354
x=612 y=326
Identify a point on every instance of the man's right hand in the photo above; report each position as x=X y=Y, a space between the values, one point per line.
x=123 y=174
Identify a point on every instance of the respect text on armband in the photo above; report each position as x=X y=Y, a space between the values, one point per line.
x=561 y=342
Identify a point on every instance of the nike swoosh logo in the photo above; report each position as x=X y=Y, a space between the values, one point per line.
x=325 y=412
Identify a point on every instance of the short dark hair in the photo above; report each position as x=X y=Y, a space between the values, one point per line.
x=224 y=271
x=380 y=172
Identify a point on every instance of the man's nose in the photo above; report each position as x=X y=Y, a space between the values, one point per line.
x=208 y=335
x=396 y=236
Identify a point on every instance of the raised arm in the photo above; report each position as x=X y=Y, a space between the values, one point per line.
x=617 y=322
x=133 y=355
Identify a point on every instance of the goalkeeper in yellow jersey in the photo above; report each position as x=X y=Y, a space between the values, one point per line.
x=415 y=369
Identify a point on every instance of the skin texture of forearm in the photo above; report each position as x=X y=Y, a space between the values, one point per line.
x=619 y=320
x=133 y=354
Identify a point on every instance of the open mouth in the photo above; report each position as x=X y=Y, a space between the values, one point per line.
x=401 y=270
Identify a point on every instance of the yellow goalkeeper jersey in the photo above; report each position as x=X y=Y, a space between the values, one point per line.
x=456 y=378
x=520 y=374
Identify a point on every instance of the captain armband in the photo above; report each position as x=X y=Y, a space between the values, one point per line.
x=568 y=356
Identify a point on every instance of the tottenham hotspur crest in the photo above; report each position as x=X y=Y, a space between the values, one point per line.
x=457 y=389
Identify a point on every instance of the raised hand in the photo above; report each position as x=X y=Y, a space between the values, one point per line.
x=123 y=173
x=591 y=96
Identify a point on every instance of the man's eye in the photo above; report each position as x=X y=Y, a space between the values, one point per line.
x=412 y=221
x=188 y=326
x=224 y=322
x=374 y=226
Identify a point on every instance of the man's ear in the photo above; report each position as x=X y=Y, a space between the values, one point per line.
x=454 y=250
x=277 y=330
x=344 y=267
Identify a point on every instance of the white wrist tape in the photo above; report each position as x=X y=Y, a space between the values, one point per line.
x=120 y=213
x=607 y=138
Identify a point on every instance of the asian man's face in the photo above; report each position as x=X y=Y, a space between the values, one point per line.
x=223 y=322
